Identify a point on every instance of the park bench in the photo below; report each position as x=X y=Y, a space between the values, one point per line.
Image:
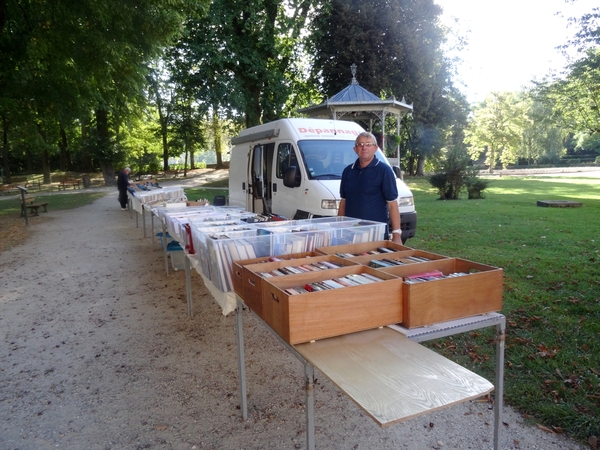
x=64 y=183
x=9 y=188
x=29 y=203
x=171 y=173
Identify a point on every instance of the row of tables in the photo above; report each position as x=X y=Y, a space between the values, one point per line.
x=385 y=371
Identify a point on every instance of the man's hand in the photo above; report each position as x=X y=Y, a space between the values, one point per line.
x=397 y=238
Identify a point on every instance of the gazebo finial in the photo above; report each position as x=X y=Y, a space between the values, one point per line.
x=353 y=69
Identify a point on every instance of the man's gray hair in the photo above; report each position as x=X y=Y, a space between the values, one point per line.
x=366 y=134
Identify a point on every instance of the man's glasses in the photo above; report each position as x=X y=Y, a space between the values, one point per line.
x=365 y=144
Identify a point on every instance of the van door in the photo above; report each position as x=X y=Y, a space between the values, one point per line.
x=260 y=171
x=286 y=200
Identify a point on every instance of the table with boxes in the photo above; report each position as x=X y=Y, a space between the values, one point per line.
x=337 y=295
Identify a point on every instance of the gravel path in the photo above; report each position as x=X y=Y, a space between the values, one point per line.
x=98 y=353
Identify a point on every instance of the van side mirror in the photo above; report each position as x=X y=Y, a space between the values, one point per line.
x=397 y=171
x=291 y=177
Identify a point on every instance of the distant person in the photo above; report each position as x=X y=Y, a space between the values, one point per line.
x=122 y=184
x=368 y=188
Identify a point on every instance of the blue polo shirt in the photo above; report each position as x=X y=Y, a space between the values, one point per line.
x=367 y=190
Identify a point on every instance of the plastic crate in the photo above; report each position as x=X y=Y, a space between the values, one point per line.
x=177 y=255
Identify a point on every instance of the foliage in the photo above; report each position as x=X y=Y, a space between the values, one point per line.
x=397 y=47
x=575 y=98
x=239 y=58
x=496 y=128
x=550 y=261
x=454 y=175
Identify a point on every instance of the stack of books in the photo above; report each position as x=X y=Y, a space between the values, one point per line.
x=334 y=283
x=304 y=268
x=392 y=262
x=429 y=276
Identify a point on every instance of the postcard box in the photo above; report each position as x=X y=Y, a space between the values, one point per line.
x=401 y=255
x=428 y=302
x=317 y=315
x=359 y=249
x=247 y=277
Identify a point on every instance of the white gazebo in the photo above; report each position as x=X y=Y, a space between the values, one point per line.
x=356 y=104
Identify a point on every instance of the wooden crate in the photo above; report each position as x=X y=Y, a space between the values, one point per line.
x=318 y=315
x=366 y=259
x=360 y=248
x=445 y=299
x=247 y=280
x=237 y=268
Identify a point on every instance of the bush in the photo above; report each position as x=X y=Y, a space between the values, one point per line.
x=475 y=187
x=597 y=161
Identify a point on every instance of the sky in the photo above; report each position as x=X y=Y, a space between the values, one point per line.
x=511 y=42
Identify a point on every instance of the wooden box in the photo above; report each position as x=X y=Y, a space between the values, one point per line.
x=357 y=249
x=317 y=315
x=445 y=299
x=366 y=259
x=247 y=278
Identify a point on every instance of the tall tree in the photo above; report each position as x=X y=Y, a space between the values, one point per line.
x=238 y=59
x=397 y=45
x=496 y=129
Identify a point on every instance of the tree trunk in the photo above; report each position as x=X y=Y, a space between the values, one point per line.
x=420 y=166
x=87 y=164
x=45 y=157
x=108 y=171
x=218 y=139
x=5 y=152
x=65 y=155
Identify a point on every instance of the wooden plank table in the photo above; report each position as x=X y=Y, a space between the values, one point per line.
x=387 y=374
x=391 y=377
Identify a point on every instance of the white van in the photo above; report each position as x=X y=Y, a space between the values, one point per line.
x=293 y=168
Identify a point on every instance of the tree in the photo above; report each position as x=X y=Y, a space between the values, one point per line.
x=496 y=129
x=63 y=60
x=397 y=46
x=238 y=59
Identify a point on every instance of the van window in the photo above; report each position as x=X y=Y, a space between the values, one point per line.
x=326 y=159
x=286 y=157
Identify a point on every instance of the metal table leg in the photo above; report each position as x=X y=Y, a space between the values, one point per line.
x=500 y=338
x=309 y=378
x=188 y=286
x=144 y=219
x=165 y=255
x=239 y=331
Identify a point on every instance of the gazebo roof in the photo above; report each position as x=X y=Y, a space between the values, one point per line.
x=357 y=104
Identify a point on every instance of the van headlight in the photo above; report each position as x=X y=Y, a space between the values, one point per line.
x=405 y=201
x=330 y=204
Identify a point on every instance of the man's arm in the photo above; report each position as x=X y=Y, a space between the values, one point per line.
x=342 y=208
x=395 y=220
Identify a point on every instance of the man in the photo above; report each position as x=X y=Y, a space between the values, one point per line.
x=122 y=185
x=368 y=189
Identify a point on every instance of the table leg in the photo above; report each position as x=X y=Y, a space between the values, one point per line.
x=241 y=359
x=309 y=374
x=500 y=337
x=144 y=219
x=152 y=228
x=165 y=255
x=188 y=287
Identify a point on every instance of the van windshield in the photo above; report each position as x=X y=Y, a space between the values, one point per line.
x=326 y=160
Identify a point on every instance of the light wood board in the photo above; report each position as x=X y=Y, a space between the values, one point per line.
x=391 y=377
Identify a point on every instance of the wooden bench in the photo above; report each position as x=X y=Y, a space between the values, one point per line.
x=171 y=173
x=65 y=183
x=32 y=206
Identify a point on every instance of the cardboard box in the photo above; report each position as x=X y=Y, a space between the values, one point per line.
x=366 y=259
x=247 y=277
x=361 y=248
x=445 y=299
x=238 y=266
x=317 y=315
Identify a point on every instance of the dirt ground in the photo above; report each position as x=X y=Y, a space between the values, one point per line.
x=97 y=352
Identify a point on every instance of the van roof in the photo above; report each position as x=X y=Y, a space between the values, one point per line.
x=297 y=129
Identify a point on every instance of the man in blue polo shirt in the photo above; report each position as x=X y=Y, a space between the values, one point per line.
x=368 y=189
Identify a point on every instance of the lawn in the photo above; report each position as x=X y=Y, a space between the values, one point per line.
x=551 y=287
x=551 y=290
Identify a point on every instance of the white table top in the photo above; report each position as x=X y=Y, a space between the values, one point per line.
x=391 y=377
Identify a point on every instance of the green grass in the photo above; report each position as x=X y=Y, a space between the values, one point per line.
x=11 y=207
x=215 y=187
x=550 y=258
